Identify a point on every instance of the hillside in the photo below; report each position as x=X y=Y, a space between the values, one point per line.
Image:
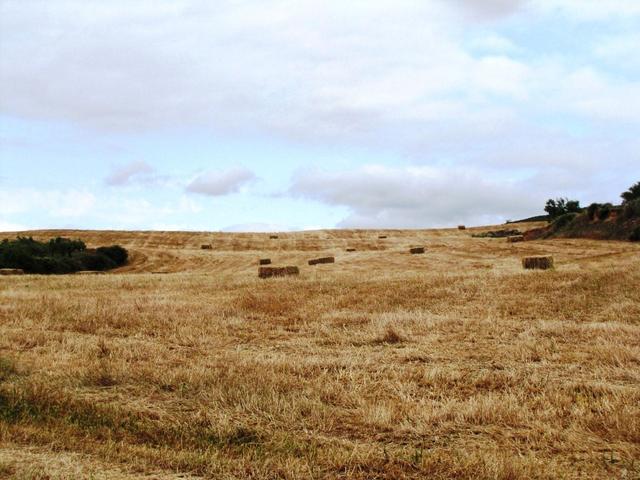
x=597 y=223
x=452 y=364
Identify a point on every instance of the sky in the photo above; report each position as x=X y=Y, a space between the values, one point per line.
x=275 y=115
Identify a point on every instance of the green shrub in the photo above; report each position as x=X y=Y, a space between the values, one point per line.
x=635 y=235
x=116 y=253
x=560 y=206
x=95 y=261
x=632 y=194
x=564 y=220
x=592 y=210
x=631 y=209
x=605 y=211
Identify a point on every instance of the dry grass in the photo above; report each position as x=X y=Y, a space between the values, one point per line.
x=457 y=364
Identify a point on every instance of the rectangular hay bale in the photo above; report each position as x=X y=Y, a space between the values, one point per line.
x=206 y=246
x=268 y=272
x=351 y=249
x=11 y=271
x=461 y=227
x=539 y=262
x=515 y=238
x=416 y=250
x=265 y=261
x=316 y=261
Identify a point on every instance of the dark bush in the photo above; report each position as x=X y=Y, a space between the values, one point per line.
x=604 y=211
x=116 y=253
x=560 y=206
x=64 y=246
x=632 y=194
x=635 y=235
x=592 y=210
x=631 y=209
x=564 y=220
x=94 y=261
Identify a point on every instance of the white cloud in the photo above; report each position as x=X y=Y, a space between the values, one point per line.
x=307 y=70
x=126 y=174
x=222 y=182
x=399 y=197
x=489 y=9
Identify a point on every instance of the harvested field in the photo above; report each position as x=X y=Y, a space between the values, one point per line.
x=382 y=366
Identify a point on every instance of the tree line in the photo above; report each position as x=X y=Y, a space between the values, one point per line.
x=58 y=255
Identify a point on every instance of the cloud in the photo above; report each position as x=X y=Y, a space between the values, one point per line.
x=489 y=9
x=137 y=171
x=222 y=182
x=307 y=71
x=416 y=197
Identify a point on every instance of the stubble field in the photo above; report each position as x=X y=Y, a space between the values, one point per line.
x=452 y=364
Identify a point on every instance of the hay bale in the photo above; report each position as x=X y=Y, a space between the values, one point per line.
x=416 y=250
x=461 y=227
x=265 y=261
x=11 y=271
x=382 y=237
x=291 y=270
x=316 y=261
x=207 y=246
x=273 y=237
x=268 y=272
x=515 y=238
x=351 y=249
x=540 y=262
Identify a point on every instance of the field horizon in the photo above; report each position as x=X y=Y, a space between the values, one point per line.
x=456 y=363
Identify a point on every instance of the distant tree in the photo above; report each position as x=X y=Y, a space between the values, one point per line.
x=592 y=210
x=632 y=193
x=561 y=206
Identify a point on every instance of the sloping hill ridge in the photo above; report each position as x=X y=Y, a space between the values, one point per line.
x=610 y=225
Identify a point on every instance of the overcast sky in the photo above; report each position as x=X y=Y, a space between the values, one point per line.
x=272 y=114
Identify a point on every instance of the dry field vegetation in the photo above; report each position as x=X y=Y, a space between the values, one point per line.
x=452 y=364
